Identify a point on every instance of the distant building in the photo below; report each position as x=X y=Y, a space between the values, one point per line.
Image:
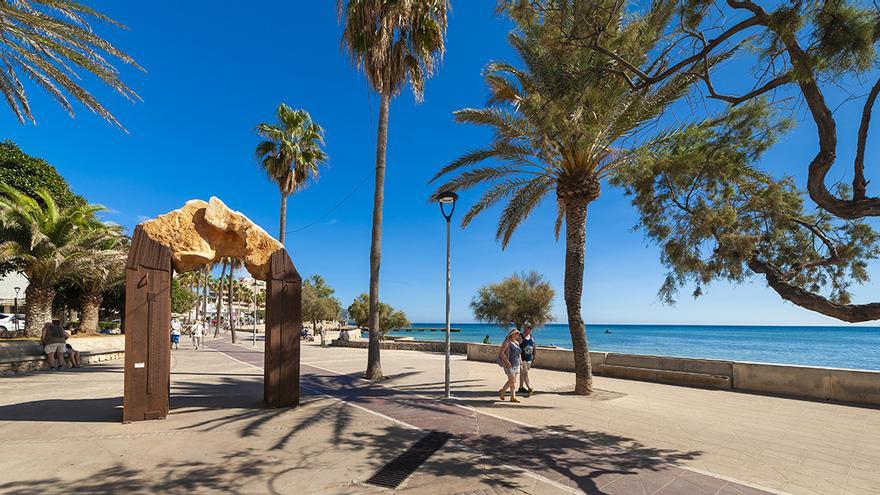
x=8 y=284
x=250 y=281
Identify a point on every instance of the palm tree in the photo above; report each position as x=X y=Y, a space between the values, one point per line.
x=192 y=281
x=49 y=43
x=561 y=125
x=234 y=263
x=218 y=288
x=290 y=153
x=393 y=42
x=46 y=244
x=104 y=271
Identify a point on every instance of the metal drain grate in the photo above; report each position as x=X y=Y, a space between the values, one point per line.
x=398 y=470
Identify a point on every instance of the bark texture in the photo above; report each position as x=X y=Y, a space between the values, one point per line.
x=852 y=313
x=575 y=247
x=282 y=218
x=219 y=306
x=38 y=311
x=374 y=364
x=230 y=302
x=90 y=304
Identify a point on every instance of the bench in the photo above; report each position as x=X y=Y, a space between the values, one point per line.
x=704 y=373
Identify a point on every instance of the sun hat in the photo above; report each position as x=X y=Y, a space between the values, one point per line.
x=512 y=331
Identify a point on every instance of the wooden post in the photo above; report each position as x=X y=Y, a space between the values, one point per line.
x=147 y=329
x=283 y=327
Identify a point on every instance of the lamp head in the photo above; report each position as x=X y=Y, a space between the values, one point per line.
x=17 y=290
x=447 y=197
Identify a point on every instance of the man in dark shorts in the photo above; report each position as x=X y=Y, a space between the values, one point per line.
x=528 y=359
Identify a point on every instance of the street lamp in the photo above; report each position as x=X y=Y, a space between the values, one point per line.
x=447 y=198
x=17 y=290
x=255 y=313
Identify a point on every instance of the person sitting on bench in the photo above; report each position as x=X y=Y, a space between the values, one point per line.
x=53 y=339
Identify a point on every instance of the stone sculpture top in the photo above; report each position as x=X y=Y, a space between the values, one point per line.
x=201 y=232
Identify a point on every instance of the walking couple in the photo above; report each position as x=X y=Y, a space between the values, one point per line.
x=517 y=356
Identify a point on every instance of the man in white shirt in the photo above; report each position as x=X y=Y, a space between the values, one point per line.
x=198 y=331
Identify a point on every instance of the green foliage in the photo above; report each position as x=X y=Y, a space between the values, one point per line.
x=389 y=318
x=44 y=242
x=30 y=174
x=517 y=300
x=712 y=212
x=51 y=43
x=561 y=120
x=394 y=42
x=318 y=303
x=845 y=35
x=182 y=299
x=291 y=148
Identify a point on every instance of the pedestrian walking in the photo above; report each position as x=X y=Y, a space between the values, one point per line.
x=175 y=334
x=510 y=358
x=198 y=333
x=528 y=360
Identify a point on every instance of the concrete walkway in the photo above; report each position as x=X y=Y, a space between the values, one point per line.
x=792 y=446
x=61 y=433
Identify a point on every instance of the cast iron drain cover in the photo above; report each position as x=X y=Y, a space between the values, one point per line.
x=395 y=472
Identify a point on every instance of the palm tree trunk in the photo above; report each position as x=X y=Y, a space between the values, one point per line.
x=575 y=245
x=283 y=218
x=207 y=272
x=91 y=305
x=38 y=311
x=231 y=301
x=219 y=305
x=374 y=365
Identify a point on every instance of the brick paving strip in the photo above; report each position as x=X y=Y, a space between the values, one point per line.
x=576 y=461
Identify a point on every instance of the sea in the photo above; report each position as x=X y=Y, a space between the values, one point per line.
x=853 y=347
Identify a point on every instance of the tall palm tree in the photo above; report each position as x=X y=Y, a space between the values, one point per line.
x=49 y=43
x=561 y=125
x=46 y=244
x=234 y=263
x=105 y=271
x=290 y=153
x=218 y=288
x=393 y=42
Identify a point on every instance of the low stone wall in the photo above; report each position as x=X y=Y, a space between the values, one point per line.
x=550 y=358
x=22 y=356
x=407 y=345
x=804 y=382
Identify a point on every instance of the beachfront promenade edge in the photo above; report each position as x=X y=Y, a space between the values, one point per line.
x=860 y=387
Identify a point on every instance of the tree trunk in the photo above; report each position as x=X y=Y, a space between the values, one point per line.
x=90 y=304
x=231 y=301
x=207 y=272
x=38 y=311
x=219 y=306
x=282 y=218
x=575 y=245
x=374 y=365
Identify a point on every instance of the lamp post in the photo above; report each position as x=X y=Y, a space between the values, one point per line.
x=17 y=290
x=447 y=198
x=255 y=313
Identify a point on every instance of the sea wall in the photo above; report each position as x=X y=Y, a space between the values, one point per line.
x=804 y=382
x=408 y=345
x=22 y=356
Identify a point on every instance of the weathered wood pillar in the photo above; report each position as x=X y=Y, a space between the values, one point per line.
x=147 y=329
x=283 y=326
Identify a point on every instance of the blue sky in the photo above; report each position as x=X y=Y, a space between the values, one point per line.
x=213 y=74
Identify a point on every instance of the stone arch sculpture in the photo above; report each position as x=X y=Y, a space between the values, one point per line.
x=183 y=240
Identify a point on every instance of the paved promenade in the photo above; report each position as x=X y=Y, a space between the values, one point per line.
x=61 y=433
